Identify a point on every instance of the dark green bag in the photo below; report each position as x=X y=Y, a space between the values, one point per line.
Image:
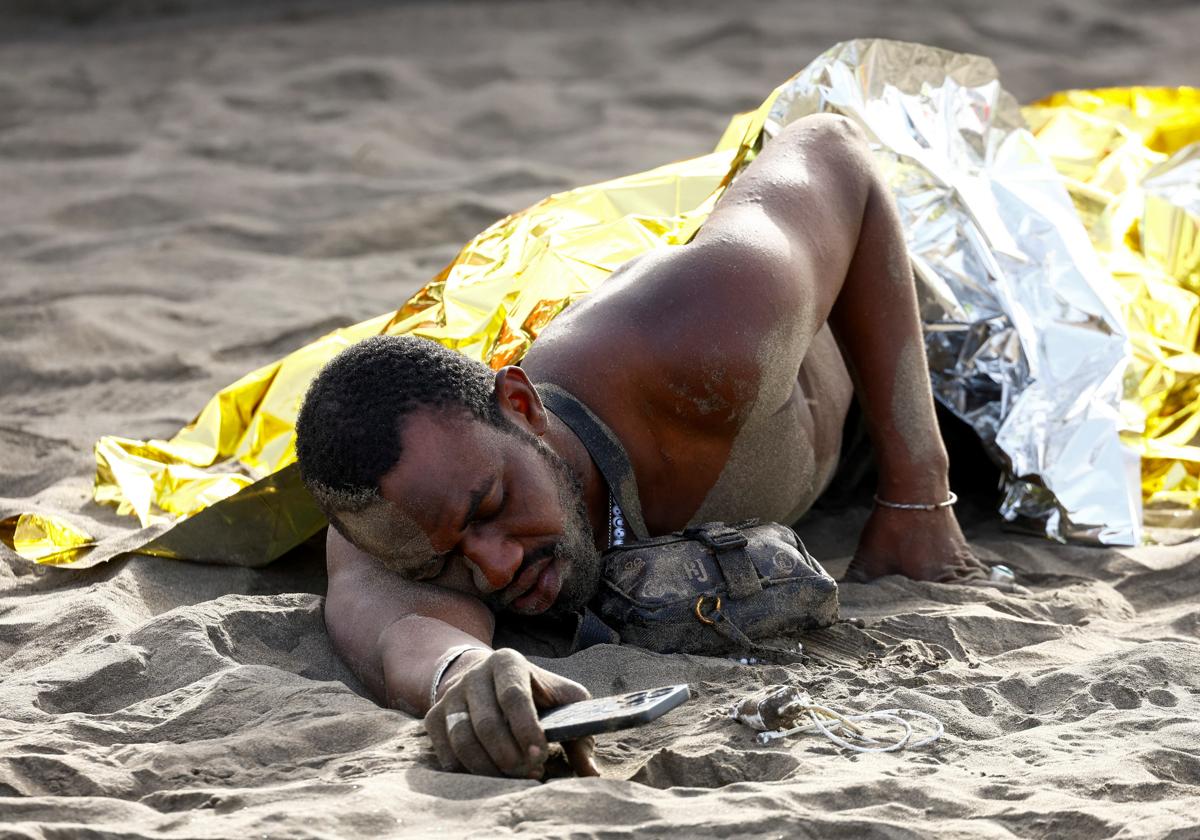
x=714 y=588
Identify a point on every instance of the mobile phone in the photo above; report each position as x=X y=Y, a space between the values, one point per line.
x=608 y=714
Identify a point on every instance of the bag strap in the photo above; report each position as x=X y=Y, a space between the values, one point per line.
x=766 y=653
x=729 y=546
x=591 y=630
x=605 y=448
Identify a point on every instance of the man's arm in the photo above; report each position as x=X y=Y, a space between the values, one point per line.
x=816 y=227
x=394 y=633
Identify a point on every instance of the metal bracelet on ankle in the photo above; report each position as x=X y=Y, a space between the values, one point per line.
x=904 y=506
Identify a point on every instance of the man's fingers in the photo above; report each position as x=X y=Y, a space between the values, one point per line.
x=579 y=756
x=435 y=726
x=976 y=566
x=973 y=572
x=955 y=573
x=487 y=722
x=515 y=695
x=491 y=727
x=550 y=690
x=465 y=744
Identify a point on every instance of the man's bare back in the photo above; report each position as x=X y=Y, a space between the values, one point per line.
x=715 y=365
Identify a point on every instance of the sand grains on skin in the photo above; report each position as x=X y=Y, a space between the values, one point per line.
x=188 y=198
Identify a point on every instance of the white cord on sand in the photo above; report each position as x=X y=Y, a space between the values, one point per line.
x=845 y=724
x=845 y=731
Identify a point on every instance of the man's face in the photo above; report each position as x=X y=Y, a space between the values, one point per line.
x=501 y=511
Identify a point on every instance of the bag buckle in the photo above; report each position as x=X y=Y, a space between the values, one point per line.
x=713 y=616
x=719 y=538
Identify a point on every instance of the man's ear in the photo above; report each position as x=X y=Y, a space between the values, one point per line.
x=519 y=400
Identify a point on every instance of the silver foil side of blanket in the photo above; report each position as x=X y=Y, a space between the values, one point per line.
x=1024 y=337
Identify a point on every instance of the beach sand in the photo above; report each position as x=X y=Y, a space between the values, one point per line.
x=185 y=198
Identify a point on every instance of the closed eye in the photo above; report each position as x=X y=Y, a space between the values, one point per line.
x=490 y=509
x=491 y=505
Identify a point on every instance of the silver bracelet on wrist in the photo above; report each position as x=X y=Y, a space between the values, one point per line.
x=448 y=659
x=905 y=506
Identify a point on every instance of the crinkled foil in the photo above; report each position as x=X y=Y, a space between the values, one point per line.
x=1024 y=339
x=225 y=489
x=1023 y=330
x=1131 y=160
x=1170 y=229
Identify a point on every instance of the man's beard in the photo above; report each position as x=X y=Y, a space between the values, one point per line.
x=579 y=563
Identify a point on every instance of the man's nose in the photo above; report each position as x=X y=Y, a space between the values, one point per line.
x=494 y=559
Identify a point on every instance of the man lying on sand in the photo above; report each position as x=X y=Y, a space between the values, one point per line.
x=454 y=493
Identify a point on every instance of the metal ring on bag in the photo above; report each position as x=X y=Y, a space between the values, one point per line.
x=700 y=613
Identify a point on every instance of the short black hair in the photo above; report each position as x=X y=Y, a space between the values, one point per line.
x=349 y=426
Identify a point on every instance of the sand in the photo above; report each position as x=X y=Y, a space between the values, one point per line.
x=185 y=198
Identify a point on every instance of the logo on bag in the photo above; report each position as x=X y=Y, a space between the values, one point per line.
x=661 y=585
x=785 y=562
x=695 y=570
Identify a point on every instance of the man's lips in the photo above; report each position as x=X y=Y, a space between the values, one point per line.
x=542 y=594
x=525 y=581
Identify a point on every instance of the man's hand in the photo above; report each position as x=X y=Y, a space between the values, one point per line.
x=486 y=721
x=920 y=544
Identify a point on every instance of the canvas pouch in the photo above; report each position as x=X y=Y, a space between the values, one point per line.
x=714 y=588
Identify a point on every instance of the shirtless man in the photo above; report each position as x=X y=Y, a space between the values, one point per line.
x=716 y=364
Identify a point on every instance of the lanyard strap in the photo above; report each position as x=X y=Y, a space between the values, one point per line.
x=605 y=448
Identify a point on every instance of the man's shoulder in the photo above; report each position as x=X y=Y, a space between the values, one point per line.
x=660 y=344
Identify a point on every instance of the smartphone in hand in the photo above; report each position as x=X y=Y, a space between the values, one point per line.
x=608 y=714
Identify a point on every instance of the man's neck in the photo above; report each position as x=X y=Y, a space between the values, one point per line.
x=563 y=440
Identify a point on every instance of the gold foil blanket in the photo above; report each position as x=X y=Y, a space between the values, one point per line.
x=1130 y=158
x=1026 y=329
x=225 y=489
